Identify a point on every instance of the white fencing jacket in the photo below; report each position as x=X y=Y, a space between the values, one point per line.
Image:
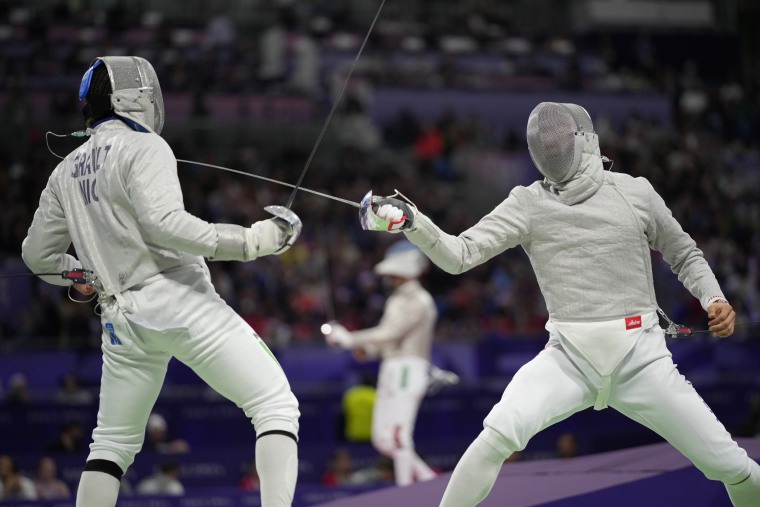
x=588 y=241
x=117 y=198
x=407 y=326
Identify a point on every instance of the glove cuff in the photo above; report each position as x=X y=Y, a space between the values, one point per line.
x=423 y=232
x=230 y=243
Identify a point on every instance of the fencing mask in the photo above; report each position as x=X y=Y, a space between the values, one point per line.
x=557 y=134
x=402 y=259
x=123 y=86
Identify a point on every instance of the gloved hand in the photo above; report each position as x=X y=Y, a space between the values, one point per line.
x=267 y=237
x=289 y=222
x=336 y=335
x=438 y=379
x=399 y=214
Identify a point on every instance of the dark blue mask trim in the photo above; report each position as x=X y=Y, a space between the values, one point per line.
x=84 y=86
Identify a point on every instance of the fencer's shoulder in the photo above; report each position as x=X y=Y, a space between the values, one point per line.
x=623 y=180
x=126 y=140
x=150 y=141
x=522 y=197
x=532 y=191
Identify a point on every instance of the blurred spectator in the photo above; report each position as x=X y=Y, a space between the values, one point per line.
x=220 y=32
x=13 y=485
x=403 y=131
x=272 y=44
x=750 y=427
x=358 y=403
x=18 y=390
x=69 y=441
x=429 y=145
x=47 y=483
x=164 y=482
x=303 y=54
x=339 y=469
x=354 y=127
x=514 y=457
x=250 y=479
x=703 y=157
x=71 y=392
x=567 y=446
x=381 y=473
x=157 y=437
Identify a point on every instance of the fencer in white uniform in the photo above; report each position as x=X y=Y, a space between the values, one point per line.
x=118 y=200
x=588 y=235
x=402 y=339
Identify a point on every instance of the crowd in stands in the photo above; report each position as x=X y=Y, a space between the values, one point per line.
x=705 y=164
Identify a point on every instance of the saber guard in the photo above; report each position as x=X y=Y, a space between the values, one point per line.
x=369 y=219
x=291 y=220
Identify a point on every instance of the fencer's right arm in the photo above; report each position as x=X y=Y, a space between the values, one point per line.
x=505 y=227
x=44 y=248
x=154 y=190
x=236 y=243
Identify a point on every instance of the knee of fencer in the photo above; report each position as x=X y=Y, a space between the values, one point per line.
x=275 y=416
x=514 y=427
x=500 y=442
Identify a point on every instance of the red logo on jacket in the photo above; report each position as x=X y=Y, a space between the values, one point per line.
x=632 y=322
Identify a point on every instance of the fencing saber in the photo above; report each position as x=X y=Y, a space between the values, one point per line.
x=272 y=180
x=674 y=330
x=83 y=276
x=367 y=216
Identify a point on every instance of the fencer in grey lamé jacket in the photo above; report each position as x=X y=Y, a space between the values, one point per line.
x=588 y=240
x=117 y=198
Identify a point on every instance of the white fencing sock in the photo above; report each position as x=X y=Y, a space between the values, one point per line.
x=474 y=475
x=97 y=489
x=277 y=466
x=747 y=492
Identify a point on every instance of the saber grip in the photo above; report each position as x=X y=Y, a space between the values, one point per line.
x=78 y=275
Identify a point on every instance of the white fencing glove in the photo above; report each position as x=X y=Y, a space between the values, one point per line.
x=336 y=335
x=267 y=237
x=391 y=215
x=438 y=379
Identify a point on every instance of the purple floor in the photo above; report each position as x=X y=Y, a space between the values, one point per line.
x=649 y=475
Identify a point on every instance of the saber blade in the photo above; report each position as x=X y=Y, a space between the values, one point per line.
x=272 y=180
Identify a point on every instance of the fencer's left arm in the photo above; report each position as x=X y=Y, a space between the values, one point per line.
x=505 y=227
x=44 y=248
x=680 y=251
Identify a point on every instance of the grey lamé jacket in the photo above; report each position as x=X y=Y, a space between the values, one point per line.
x=117 y=198
x=406 y=327
x=588 y=241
